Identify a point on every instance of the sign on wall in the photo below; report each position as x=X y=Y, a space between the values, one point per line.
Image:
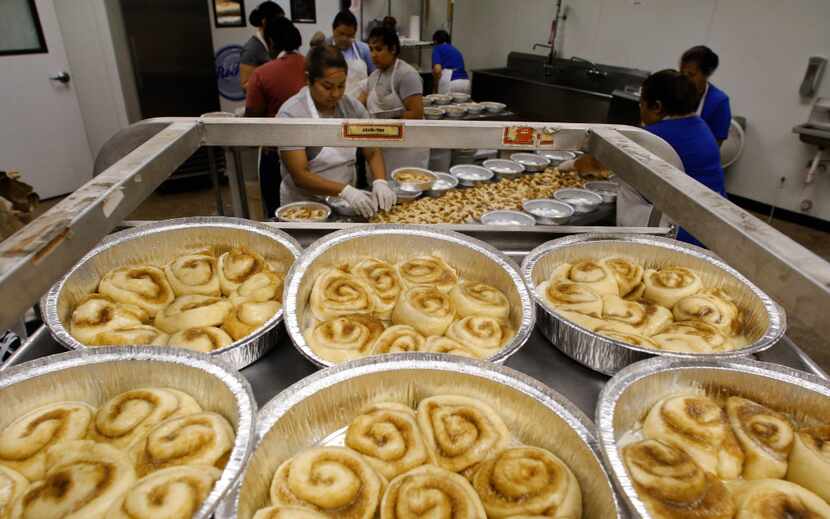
x=229 y=13
x=227 y=72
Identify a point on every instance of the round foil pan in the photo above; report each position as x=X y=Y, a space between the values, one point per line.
x=510 y=218
x=766 y=321
x=503 y=168
x=469 y=175
x=582 y=200
x=548 y=212
x=394 y=243
x=557 y=157
x=96 y=375
x=606 y=189
x=315 y=205
x=627 y=398
x=414 y=186
x=433 y=112
x=493 y=107
x=531 y=161
x=159 y=243
x=316 y=411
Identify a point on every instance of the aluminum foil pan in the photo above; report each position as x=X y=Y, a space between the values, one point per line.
x=433 y=112
x=473 y=108
x=316 y=411
x=280 y=214
x=548 y=212
x=443 y=185
x=505 y=217
x=469 y=175
x=473 y=258
x=532 y=162
x=460 y=97
x=628 y=396
x=439 y=99
x=95 y=375
x=557 y=157
x=766 y=321
x=455 y=111
x=412 y=185
x=493 y=107
x=607 y=190
x=503 y=168
x=582 y=200
x=159 y=243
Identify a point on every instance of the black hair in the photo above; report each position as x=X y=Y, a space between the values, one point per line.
x=344 y=18
x=264 y=11
x=282 y=35
x=441 y=36
x=675 y=92
x=388 y=37
x=391 y=22
x=705 y=59
x=321 y=58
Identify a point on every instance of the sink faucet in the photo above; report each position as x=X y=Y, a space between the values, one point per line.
x=593 y=70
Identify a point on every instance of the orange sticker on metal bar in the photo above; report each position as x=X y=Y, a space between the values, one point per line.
x=373 y=131
x=519 y=136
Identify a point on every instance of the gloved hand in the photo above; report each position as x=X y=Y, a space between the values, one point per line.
x=362 y=202
x=384 y=195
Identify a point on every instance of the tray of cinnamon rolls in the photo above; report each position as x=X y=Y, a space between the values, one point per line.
x=725 y=439
x=422 y=435
x=388 y=289
x=122 y=432
x=207 y=284
x=610 y=300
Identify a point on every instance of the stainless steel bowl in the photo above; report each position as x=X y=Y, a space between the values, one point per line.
x=766 y=321
x=157 y=244
x=628 y=396
x=411 y=185
x=444 y=184
x=473 y=258
x=548 y=212
x=94 y=376
x=493 y=107
x=427 y=101
x=316 y=411
x=315 y=205
x=473 y=108
x=434 y=113
x=455 y=111
x=470 y=175
x=440 y=99
x=582 y=200
x=557 y=157
x=605 y=189
x=460 y=97
x=532 y=162
x=508 y=218
x=503 y=168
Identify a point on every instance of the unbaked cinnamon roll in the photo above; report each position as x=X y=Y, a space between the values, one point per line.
x=636 y=293
x=672 y=485
x=196 y=439
x=627 y=272
x=585 y=321
x=144 y=286
x=809 y=463
x=128 y=417
x=634 y=318
x=245 y=319
x=460 y=431
x=696 y=425
x=571 y=297
x=344 y=338
x=765 y=435
x=174 y=493
x=399 y=338
x=692 y=337
x=472 y=298
x=387 y=435
x=712 y=306
x=333 y=480
x=204 y=338
x=427 y=271
x=139 y=335
x=98 y=313
x=24 y=442
x=236 y=266
x=776 y=499
x=195 y=273
x=336 y=293
x=192 y=311
x=426 y=309
x=669 y=285
x=382 y=278
x=259 y=288
x=288 y=512
x=84 y=480
x=628 y=338
x=447 y=346
x=430 y=491
x=12 y=486
x=527 y=481
x=595 y=275
x=484 y=333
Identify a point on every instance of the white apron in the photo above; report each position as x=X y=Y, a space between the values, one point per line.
x=446 y=85
x=358 y=72
x=337 y=164
x=390 y=106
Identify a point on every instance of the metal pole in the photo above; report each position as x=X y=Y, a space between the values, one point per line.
x=239 y=179
x=216 y=180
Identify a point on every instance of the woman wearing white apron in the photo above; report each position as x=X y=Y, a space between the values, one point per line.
x=448 y=71
x=326 y=171
x=343 y=30
x=394 y=91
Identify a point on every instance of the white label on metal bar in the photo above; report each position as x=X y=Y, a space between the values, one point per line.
x=373 y=131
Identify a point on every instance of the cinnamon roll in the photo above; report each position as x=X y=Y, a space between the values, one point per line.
x=809 y=463
x=628 y=338
x=484 y=333
x=669 y=285
x=382 y=278
x=776 y=499
x=427 y=271
x=696 y=425
x=128 y=417
x=460 y=431
x=192 y=311
x=204 y=338
x=174 y=493
x=24 y=442
x=765 y=435
x=84 y=479
x=387 y=435
x=344 y=338
x=449 y=346
x=691 y=337
x=430 y=491
x=672 y=485
x=193 y=274
x=246 y=318
x=336 y=293
x=288 y=512
x=595 y=275
x=527 y=481
x=12 y=485
x=571 y=297
x=585 y=321
x=196 y=439
x=333 y=480
x=426 y=309
x=97 y=313
x=712 y=306
x=472 y=298
x=634 y=318
x=398 y=339
x=144 y=286
x=140 y=334
x=627 y=272
x=636 y=293
x=236 y=266
x=259 y=288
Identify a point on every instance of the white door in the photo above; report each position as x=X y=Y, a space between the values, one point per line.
x=42 y=132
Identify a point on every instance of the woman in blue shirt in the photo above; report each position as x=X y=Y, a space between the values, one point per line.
x=667 y=109
x=698 y=64
x=448 y=73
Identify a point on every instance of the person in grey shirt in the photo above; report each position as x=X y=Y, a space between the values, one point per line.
x=255 y=51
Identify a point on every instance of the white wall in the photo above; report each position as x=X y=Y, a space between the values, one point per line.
x=763 y=45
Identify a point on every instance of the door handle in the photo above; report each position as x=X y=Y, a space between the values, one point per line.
x=63 y=77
